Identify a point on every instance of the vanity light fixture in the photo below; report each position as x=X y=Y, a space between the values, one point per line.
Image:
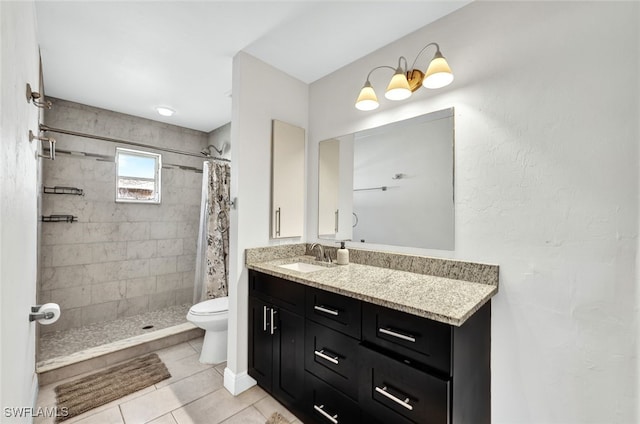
x=165 y=111
x=406 y=80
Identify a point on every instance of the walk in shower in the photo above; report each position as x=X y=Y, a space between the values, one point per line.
x=118 y=268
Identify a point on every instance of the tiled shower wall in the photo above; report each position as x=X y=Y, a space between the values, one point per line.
x=119 y=259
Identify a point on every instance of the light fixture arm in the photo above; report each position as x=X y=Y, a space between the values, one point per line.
x=413 y=65
x=380 y=67
x=400 y=64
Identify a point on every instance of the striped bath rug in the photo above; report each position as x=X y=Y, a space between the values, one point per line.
x=86 y=393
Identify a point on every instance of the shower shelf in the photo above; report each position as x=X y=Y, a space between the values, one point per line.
x=64 y=190
x=59 y=218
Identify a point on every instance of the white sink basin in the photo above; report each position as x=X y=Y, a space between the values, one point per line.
x=303 y=267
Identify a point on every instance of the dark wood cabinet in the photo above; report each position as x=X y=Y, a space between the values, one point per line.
x=334 y=359
x=276 y=340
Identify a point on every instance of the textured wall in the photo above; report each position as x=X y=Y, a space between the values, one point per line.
x=546 y=105
x=257 y=99
x=18 y=207
x=120 y=259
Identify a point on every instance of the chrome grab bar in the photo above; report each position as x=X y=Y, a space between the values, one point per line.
x=320 y=409
x=326 y=310
x=326 y=357
x=389 y=332
x=404 y=403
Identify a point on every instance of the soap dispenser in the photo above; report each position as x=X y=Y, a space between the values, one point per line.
x=343 y=255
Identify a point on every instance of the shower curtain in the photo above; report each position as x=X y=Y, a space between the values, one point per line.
x=212 y=260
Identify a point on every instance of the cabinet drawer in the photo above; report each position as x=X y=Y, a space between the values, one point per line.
x=334 y=310
x=333 y=357
x=277 y=291
x=324 y=404
x=394 y=392
x=417 y=338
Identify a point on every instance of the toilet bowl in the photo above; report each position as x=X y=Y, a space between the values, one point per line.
x=212 y=316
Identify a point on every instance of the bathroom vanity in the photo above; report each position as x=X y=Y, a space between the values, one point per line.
x=366 y=344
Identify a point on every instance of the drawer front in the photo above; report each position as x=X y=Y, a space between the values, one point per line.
x=334 y=311
x=325 y=405
x=417 y=338
x=278 y=291
x=333 y=357
x=394 y=392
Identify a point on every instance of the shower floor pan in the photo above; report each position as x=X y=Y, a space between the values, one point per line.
x=69 y=352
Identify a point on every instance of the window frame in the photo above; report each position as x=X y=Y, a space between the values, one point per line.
x=157 y=175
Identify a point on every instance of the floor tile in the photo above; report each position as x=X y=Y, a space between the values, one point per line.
x=248 y=415
x=217 y=406
x=176 y=352
x=108 y=416
x=220 y=368
x=194 y=395
x=166 y=399
x=197 y=344
x=181 y=368
x=165 y=419
x=268 y=405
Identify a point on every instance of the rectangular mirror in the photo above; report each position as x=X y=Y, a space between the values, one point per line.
x=391 y=184
x=287 y=180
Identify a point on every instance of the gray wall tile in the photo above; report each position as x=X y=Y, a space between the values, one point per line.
x=105 y=265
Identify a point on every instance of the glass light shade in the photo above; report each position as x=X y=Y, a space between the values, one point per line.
x=438 y=74
x=398 y=88
x=367 y=99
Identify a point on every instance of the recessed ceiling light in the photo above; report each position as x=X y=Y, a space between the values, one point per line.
x=165 y=111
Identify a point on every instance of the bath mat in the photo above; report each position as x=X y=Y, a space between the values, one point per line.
x=277 y=418
x=97 y=389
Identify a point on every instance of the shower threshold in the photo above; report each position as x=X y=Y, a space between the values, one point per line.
x=113 y=341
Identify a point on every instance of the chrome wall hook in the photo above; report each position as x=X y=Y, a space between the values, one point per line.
x=35 y=314
x=50 y=140
x=34 y=96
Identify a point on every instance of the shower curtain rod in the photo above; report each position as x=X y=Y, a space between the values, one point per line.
x=46 y=128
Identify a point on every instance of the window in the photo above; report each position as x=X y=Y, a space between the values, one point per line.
x=137 y=176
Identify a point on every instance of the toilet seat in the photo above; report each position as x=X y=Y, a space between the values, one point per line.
x=216 y=306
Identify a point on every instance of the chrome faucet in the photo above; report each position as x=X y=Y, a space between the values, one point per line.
x=321 y=256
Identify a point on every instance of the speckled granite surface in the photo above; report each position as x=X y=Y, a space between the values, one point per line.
x=263 y=254
x=447 y=268
x=447 y=300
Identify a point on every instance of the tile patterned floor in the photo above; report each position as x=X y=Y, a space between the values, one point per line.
x=66 y=342
x=193 y=395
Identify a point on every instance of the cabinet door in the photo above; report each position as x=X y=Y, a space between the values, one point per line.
x=288 y=355
x=287 y=180
x=260 y=343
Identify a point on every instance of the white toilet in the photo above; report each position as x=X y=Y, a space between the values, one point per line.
x=212 y=316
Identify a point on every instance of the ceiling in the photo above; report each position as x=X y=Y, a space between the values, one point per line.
x=132 y=56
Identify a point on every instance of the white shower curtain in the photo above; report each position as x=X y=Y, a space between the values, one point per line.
x=212 y=260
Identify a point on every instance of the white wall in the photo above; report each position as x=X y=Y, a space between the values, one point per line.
x=18 y=207
x=546 y=103
x=260 y=93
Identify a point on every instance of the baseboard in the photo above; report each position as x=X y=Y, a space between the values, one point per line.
x=237 y=383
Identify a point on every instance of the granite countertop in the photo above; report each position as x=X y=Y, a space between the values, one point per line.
x=441 y=299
